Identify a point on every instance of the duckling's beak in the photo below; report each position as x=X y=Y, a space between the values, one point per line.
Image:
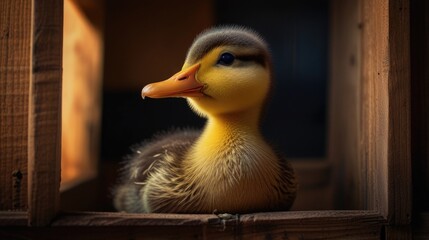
x=181 y=84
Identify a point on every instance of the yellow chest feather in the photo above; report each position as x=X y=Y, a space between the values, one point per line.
x=233 y=169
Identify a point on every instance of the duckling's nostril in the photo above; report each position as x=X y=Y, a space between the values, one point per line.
x=182 y=78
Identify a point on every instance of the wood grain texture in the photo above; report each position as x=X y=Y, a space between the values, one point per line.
x=276 y=225
x=374 y=103
x=344 y=103
x=399 y=138
x=15 y=53
x=312 y=225
x=130 y=219
x=385 y=113
x=44 y=126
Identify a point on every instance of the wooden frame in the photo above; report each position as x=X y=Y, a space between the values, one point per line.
x=39 y=62
x=81 y=92
x=382 y=137
x=380 y=111
x=15 y=61
x=44 y=123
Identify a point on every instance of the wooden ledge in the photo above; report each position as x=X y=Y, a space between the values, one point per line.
x=270 y=225
x=13 y=218
x=132 y=219
x=155 y=219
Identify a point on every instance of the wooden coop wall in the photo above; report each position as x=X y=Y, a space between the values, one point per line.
x=31 y=73
x=15 y=69
x=31 y=68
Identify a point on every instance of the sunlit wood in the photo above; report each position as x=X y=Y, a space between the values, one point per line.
x=81 y=106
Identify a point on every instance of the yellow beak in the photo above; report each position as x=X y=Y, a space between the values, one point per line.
x=181 y=84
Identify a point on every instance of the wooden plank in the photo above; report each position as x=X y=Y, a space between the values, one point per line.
x=112 y=233
x=312 y=225
x=12 y=218
x=344 y=103
x=130 y=219
x=275 y=225
x=160 y=226
x=385 y=114
x=374 y=103
x=15 y=53
x=45 y=112
x=399 y=137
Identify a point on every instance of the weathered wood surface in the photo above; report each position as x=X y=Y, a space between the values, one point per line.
x=399 y=138
x=385 y=114
x=277 y=225
x=44 y=125
x=312 y=225
x=15 y=53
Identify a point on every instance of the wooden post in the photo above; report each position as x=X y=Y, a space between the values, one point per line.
x=44 y=123
x=385 y=113
x=15 y=51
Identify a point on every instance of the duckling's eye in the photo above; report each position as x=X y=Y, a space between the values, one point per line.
x=226 y=59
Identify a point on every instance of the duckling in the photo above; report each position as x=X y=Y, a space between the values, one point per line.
x=229 y=166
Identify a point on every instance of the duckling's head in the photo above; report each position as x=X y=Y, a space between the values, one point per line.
x=227 y=70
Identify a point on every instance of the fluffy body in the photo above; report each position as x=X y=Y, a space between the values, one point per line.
x=245 y=179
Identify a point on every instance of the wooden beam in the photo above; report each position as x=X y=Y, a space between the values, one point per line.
x=312 y=225
x=385 y=113
x=15 y=53
x=10 y=218
x=44 y=127
x=274 y=225
x=399 y=138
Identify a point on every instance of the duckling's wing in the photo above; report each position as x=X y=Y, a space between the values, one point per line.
x=145 y=159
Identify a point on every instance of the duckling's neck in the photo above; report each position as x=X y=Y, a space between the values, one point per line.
x=229 y=134
x=244 y=123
